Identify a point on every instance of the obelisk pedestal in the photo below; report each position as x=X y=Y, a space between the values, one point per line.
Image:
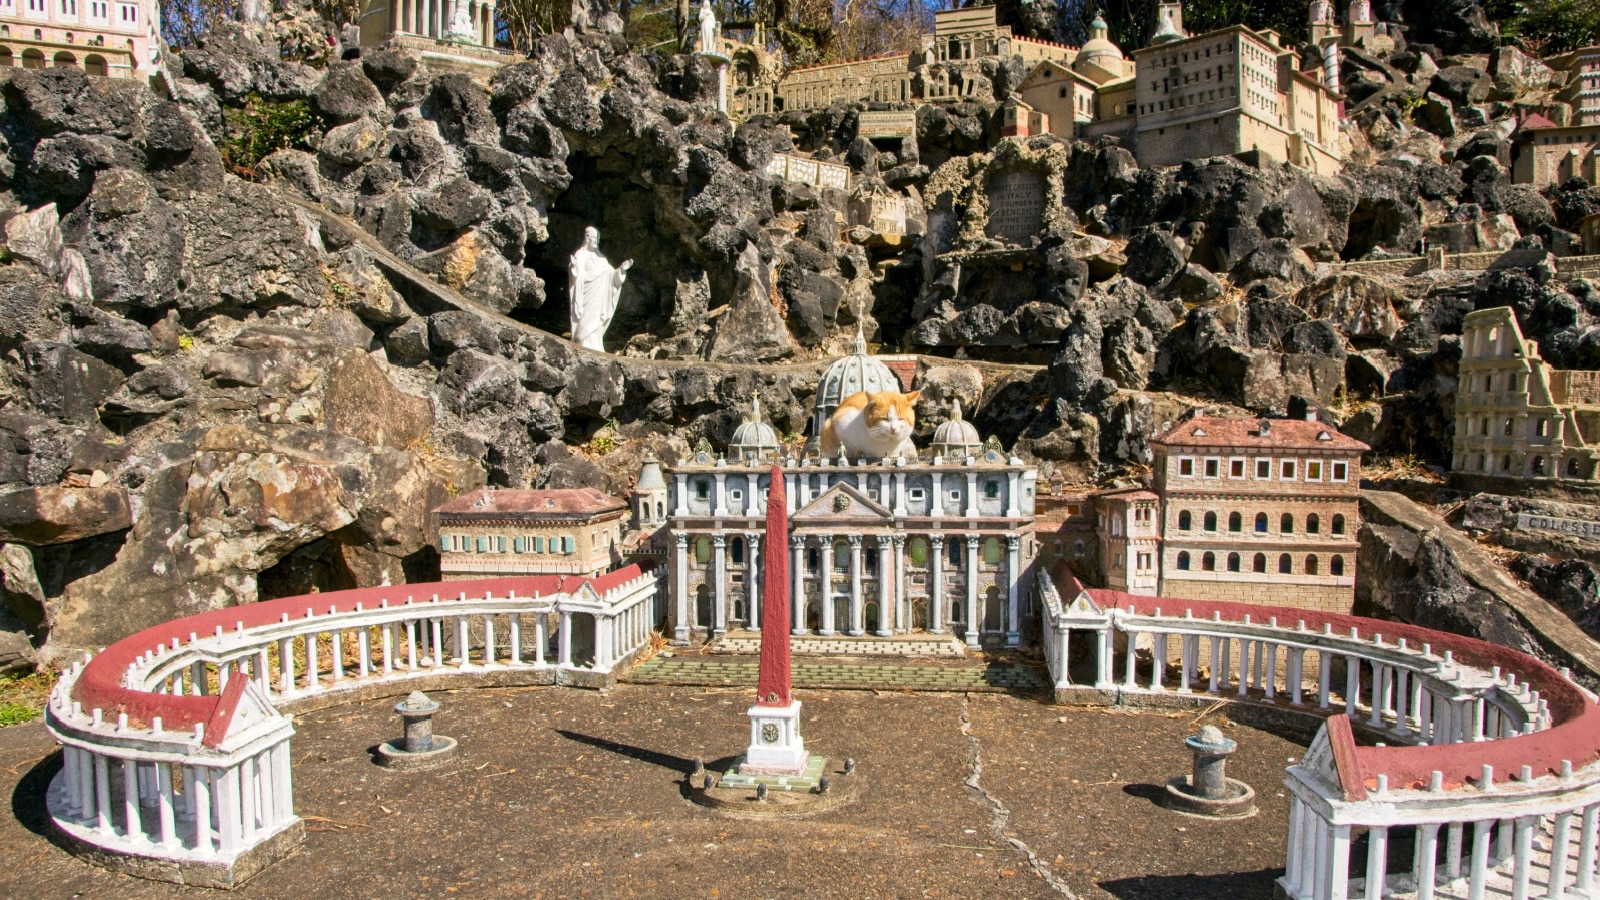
x=776 y=747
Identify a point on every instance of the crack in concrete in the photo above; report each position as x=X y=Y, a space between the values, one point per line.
x=1002 y=815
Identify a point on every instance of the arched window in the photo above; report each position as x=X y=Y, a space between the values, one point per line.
x=1505 y=463
x=1338 y=523
x=954 y=552
x=702 y=550
x=1285 y=564
x=1287 y=524
x=661 y=510
x=1184 y=520
x=1311 y=564
x=1313 y=524
x=1259 y=564
x=1538 y=466
x=32 y=58
x=1183 y=560
x=841 y=556
x=869 y=560
x=1235 y=522
x=736 y=551
x=1336 y=566
x=813 y=559
x=919 y=552
x=991 y=551
x=1572 y=467
x=1261 y=523
x=1211 y=521
x=1233 y=562
x=1541 y=427
x=1208 y=562
x=94 y=64
x=6 y=59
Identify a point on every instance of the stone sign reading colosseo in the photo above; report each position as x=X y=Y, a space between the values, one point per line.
x=1016 y=206
x=1574 y=527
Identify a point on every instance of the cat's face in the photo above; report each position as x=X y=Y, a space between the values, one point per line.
x=890 y=415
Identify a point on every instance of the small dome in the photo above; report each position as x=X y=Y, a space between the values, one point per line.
x=754 y=439
x=1166 y=33
x=650 y=475
x=853 y=374
x=956 y=438
x=1098 y=50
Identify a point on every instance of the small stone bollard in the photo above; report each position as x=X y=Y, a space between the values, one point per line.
x=420 y=748
x=823 y=784
x=761 y=793
x=1209 y=791
x=699 y=766
x=416 y=710
x=849 y=766
x=711 y=781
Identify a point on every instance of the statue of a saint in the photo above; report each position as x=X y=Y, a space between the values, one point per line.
x=708 y=28
x=593 y=291
x=460 y=30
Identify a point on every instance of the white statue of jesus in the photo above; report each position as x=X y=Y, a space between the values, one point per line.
x=460 y=29
x=708 y=28
x=593 y=290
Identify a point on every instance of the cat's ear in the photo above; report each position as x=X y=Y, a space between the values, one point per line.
x=912 y=397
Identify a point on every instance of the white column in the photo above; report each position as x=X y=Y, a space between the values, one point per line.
x=1013 y=577
x=857 y=604
x=282 y=783
x=541 y=638
x=1478 y=875
x=1522 y=868
x=972 y=495
x=899 y=494
x=1294 y=865
x=827 y=583
x=797 y=576
x=226 y=782
x=974 y=622
x=936 y=577
x=719 y=575
x=1377 y=860
x=1013 y=511
x=1352 y=685
x=564 y=641
x=721 y=497
x=1324 y=677
x=200 y=783
x=1427 y=867
x=680 y=565
x=888 y=583
x=1559 y=860
x=936 y=510
x=681 y=496
x=130 y=799
x=752 y=578
x=1586 y=849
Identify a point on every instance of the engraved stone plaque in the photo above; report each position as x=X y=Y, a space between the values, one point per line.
x=1016 y=206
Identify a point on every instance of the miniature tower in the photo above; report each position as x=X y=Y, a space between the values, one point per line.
x=776 y=747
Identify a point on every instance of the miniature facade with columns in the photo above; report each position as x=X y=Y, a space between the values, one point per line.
x=939 y=544
x=110 y=38
x=447 y=34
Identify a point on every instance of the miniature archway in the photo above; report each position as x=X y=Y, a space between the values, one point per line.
x=94 y=64
x=32 y=58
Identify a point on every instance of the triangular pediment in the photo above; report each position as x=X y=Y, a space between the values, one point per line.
x=1319 y=758
x=1084 y=605
x=842 y=503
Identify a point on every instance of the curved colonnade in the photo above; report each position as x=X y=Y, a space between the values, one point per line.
x=175 y=761
x=1481 y=763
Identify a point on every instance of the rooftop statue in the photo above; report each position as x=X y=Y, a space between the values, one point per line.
x=593 y=289
x=707 y=19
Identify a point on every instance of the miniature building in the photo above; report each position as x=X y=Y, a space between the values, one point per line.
x=1359 y=29
x=1237 y=505
x=1582 y=90
x=1064 y=97
x=428 y=29
x=1229 y=91
x=970 y=33
x=491 y=533
x=1544 y=153
x=109 y=38
x=1589 y=233
x=1065 y=526
x=881 y=546
x=1018 y=119
x=879 y=209
x=845 y=377
x=1515 y=415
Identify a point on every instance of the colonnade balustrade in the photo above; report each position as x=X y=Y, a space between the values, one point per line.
x=1444 y=767
x=175 y=751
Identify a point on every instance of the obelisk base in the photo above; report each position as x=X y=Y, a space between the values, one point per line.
x=776 y=747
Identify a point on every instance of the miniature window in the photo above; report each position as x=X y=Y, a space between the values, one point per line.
x=1341 y=471
x=1211 y=521
x=736 y=551
x=1259 y=564
x=955 y=496
x=1235 y=522
x=1286 y=525
x=1208 y=563
x=917 y=495
x=919 y=552
x=1286 y=470
x=1185 y=467
x=1144 y=562
x=1337 y=526
x=736 y=495
x=991 y=490
x=1336 y=566
x=1073 y=509
x=1505 y=463
x=702 y=549
x=955 y=552
x=702 y=489
x=1116 y=526
x=812 y=557
x=841 y=556
x=1233 y=562
x=538 y=545
x=1264 y=469
x=1538 y=466
x=1236 y=468
x=1077 y=547
x=1313 y=524
x=1285 y=564
x=991 y=551
x=1314 y=470
x=1508 y=427
x=1117 y=562
x=1185 y=521
x=1183 y=560
x=502 y=545
x=1311 y=564
x=869 y=559
x=1541 y=427
x=1213 y=467
x=1572 y=468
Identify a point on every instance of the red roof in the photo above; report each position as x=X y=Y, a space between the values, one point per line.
x=1208 y=431
x=490 y=502
x=1535 y=121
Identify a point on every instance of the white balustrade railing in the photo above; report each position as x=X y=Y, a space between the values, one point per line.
x=173 y=748
x=1441 y=714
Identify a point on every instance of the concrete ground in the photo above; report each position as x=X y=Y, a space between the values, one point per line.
x=567 y=793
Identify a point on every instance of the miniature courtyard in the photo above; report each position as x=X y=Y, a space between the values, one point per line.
x=557 y=793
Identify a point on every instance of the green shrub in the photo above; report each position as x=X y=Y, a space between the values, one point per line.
x=262 y=127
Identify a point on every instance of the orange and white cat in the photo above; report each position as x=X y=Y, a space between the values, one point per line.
x=876 y=426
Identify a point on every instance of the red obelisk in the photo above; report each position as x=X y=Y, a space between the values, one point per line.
x=773 y=688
